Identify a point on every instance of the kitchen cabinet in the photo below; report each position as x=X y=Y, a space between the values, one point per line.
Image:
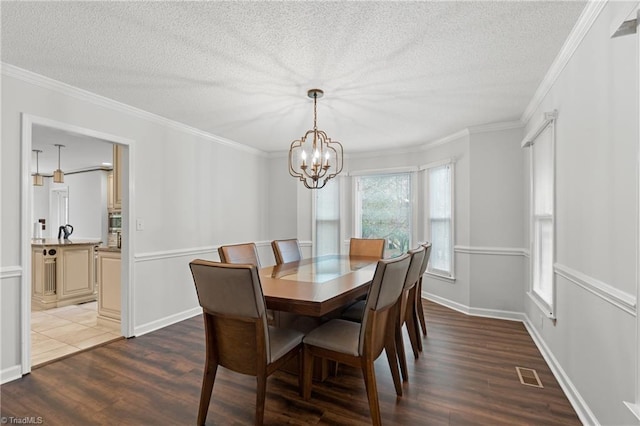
x=109 y=267
x=110 y=195
x=62 y=272
x=117 y=177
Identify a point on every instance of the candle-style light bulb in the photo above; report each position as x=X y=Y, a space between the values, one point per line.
x=304 y=158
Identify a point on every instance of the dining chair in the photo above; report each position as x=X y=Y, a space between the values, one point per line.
x=367 y=247
x=237 y=335
x=246 y=253
x=286 y=250
x=419 y=307
x=406 y=310
x=360 y=344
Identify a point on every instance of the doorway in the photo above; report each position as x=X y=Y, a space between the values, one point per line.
x=74 y=317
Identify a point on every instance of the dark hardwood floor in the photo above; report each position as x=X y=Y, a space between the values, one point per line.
x=466 y=375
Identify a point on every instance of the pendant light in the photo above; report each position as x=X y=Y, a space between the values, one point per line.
x=58 y=175
x=325 y=155
x=37 y=178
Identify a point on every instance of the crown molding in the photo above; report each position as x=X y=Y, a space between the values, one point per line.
x=102 y=101
x=585 y=21
x=496 y=127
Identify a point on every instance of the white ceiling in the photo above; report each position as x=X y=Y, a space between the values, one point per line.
x=394 y=73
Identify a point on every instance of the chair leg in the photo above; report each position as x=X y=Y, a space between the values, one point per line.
x=369 y=375
x=420 y=308
x=210 y=368
x=414 y=333
x=307 y=372
x=300 y=373
x=390 y=349
x=261 y=394
x=402 y=358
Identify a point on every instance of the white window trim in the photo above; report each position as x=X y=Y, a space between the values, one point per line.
x=427 y=231
x=529 y=140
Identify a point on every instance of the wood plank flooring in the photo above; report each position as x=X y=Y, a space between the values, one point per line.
x=465 y=376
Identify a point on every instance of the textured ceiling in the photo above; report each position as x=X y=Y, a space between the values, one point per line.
x=394 y=73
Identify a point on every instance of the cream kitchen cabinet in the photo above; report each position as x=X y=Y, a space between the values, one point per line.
x=109 y=267
x=117 y=177
x=62 y=272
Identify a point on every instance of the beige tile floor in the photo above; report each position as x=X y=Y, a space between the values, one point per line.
x=62 y=331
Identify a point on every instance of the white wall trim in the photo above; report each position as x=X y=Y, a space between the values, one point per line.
x=10 y=374
x=579 y=31
x=476 y=312
x=445 y=140
x=493 y=251
x=166 y=321
x=634 y=408
x=585 y=414
x=496 y=127
x=616 y=297
x=171 y=254
x=10 y=272
x=84 y=95
x=195 y=251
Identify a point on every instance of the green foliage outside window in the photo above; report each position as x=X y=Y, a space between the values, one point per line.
x=386 y=210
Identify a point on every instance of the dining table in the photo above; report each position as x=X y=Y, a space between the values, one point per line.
x=317 y=286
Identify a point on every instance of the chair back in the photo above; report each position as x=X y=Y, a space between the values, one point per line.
x=386 y=288
x=234 y=311
x=286 y=250
x=239 y=253
x=425 y=261
x=415 y=266
x=367 y=247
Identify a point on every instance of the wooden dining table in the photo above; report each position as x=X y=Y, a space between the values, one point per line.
x=316 y=286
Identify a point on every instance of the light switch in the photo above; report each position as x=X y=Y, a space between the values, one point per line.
x=139 y=225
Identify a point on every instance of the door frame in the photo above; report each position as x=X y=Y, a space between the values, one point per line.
x=128 y=206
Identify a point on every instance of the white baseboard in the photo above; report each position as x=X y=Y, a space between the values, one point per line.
x=585 y=414
x=166 y=321
x=577 y=402
x=476 y=312
x=10 y=374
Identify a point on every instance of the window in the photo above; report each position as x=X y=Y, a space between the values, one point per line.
x=384 y=210
x=542 y=214
x=327 y=231
x=440 y=219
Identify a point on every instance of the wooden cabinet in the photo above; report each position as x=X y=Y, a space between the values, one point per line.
x=62 y=274
x=109 y=267
x=110 y=195
x=117 y=177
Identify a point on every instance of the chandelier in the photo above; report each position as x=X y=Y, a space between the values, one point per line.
x=323 y=154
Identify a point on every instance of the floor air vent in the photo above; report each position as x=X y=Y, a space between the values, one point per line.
x=529 y=377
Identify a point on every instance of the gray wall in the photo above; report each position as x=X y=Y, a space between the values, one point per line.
x=593 y=341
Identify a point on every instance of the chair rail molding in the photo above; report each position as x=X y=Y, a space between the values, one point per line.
x=493 y=251
x=618 y=298
x=10 y=272
x=194 y=251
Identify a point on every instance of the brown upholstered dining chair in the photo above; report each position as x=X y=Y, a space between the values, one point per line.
x=407 y=315
x=236 y=330
x=367 y=247
x=419 y=307
x=286 y=250
x=406 y=310
x=360 y=344
x=239 y=253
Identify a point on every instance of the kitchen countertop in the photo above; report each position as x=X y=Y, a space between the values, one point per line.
x=107 y=248
x=40 y=242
